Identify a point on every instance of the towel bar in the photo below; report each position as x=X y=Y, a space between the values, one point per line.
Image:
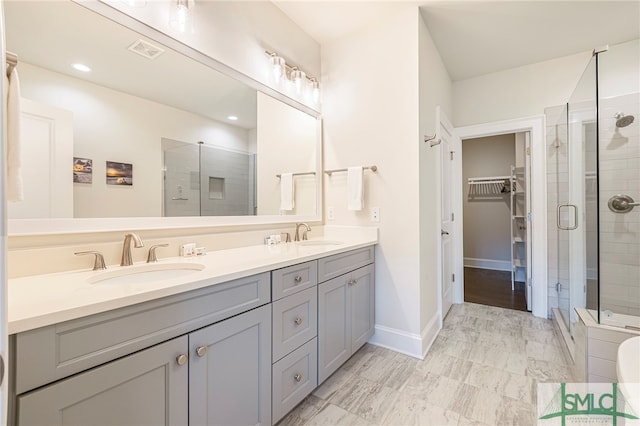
x=298 y=174
x=372 y=168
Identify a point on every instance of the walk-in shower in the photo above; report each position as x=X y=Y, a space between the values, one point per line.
x=203 y=180
x=593 y=170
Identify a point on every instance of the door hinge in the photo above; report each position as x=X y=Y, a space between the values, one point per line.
x=558 y=287
x=451 y=155
x=452 y=216
x=453 y=278
x=528 y=151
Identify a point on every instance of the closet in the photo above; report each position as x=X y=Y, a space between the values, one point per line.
x=496 y=235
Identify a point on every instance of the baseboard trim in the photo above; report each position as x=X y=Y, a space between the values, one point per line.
x=412 y=344
x=496 y=265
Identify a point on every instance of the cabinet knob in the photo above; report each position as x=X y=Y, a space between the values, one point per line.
x=297 y=377
x=352 y=281
x=298 y=321
x=182 y=359
x=201 y=350
x=298 y=279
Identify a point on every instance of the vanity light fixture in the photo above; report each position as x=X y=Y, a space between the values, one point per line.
x=181 y=13
x=81 y=67
x=299 y=78
x=278 y=65
x=315 y=90
x=293 y=74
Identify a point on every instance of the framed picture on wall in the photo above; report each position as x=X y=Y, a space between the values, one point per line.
x=82 y=170
x=119 y=173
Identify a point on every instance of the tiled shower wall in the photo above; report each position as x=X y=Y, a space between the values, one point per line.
x=619 y=161
x=190 y=192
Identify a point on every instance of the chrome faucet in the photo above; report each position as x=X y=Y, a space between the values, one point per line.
x=304 y=233
x=126 y=248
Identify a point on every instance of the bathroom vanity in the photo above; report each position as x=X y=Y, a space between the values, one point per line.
x=238 y=342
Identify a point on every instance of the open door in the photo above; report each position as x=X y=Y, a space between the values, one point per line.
x=450 y=273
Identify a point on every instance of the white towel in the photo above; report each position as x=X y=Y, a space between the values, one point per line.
x=355 y=196
x=286 y=192
x=14 y=175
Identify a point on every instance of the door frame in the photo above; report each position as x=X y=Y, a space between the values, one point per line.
x=535 y=125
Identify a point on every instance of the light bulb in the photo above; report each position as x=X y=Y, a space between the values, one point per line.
x=315 y=91
x=181 y=15
x=81 y=67
x=298 y=78
x=278 y=65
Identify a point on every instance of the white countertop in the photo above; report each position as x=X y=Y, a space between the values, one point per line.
x=41 y=300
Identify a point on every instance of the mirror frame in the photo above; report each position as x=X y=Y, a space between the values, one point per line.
x=50 y=226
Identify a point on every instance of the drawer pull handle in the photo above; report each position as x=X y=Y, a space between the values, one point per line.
x=298 y=279
x=297 y=377
x=182 y=359
x=298 y=321
x=352 y=281
x=201 y=351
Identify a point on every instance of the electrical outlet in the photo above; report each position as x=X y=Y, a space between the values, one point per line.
x=375 y=214
x=330 y=213
x=187 y=250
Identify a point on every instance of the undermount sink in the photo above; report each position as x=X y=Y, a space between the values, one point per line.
x=320 y=243
x=149 y=272
x=628 y=369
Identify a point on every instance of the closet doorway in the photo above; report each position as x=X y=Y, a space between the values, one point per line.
x=496 y=213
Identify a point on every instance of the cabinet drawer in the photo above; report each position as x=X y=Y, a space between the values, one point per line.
x=339 y=264
x=293 y=279
x=294 y=377
x=295 y=321
x=50 y=353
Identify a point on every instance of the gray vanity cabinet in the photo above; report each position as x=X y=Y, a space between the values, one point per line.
x=230 y=371
x=146 y=388
x=202 y=357
x=345 y=310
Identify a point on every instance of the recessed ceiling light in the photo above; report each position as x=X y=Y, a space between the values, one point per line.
x=81 y=67
x=232 y=117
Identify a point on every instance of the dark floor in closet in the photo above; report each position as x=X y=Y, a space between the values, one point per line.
x=493 y=288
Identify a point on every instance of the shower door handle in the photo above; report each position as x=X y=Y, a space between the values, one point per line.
x=575 y=217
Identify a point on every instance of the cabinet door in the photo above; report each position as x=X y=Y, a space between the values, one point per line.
x=146 y=388
x=230 y=371
x=361 y=286
x=334 y=326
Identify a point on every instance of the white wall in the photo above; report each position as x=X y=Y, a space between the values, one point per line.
x=487 y=230
x=517 y=92
x=286 y=143
x=114 y=126
x=376 y=106
x=435 y=89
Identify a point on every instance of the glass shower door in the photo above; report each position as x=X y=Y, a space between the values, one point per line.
x=575 y=211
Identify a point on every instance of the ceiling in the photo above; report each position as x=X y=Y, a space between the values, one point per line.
x=480 y=37
x=56 y=34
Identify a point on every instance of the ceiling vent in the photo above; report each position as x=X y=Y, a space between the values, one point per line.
x=146 y=49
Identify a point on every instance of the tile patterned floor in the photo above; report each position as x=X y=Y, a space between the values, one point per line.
x=481 y=370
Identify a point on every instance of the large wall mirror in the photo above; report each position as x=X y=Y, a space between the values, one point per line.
x=148 y=132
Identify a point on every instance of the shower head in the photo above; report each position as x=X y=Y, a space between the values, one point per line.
x=623 y=120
